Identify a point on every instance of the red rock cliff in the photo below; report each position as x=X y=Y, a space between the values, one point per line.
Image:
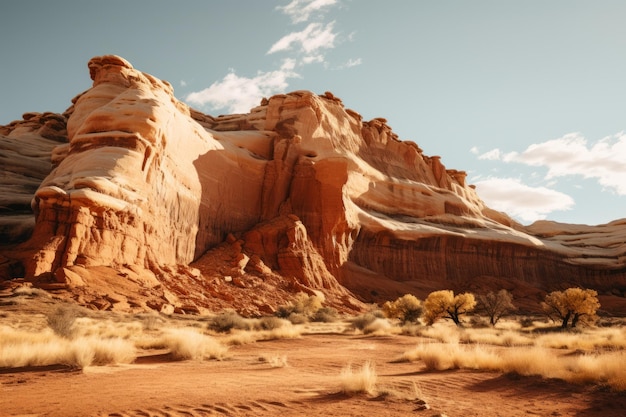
x=308 y=192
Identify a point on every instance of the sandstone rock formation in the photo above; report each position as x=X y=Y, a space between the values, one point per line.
x=300 y=194
x=26 y=152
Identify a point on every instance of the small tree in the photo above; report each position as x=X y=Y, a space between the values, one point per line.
x=406 y=308
x=496 y=305
x=573 y=304
x=444 y=304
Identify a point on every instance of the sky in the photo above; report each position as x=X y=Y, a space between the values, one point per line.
x=528 y=97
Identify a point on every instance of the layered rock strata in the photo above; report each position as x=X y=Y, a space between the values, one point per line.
x=306 y=189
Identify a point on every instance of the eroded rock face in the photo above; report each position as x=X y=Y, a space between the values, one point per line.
x=301 y=191
x=26 y=155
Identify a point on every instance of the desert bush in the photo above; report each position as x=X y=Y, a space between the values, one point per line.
x=297 y=318
x=478 y=322
x=526 y=322
x=444 y=304
x=412 y=329
x=381 y=327
x=187 y=343
x=496 y=305
x=61 y=320
x=303 y=304
x=270 y=323
x=406 y=308
x=571 y=306
x=362 y=380
x=325 y=315
x=362 y=321
x=226 y=321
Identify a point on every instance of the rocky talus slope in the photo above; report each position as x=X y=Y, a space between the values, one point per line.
x=131 y=199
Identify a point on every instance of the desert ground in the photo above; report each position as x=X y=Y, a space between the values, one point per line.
x=60 y=360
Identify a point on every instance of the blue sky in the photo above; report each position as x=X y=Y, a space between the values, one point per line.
x=526 y=96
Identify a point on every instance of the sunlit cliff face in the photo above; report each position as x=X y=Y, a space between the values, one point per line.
x=321 y=197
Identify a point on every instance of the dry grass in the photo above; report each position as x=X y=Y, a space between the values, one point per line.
x=361 y=380
x=596 y=355
x=78 y=338
x=443 y=332
x=607 y=368
x=250 y=336
x=20 y=348
x=600 y=368
x=496 y=337
x=107 y=328
x=412 y=392
x=442 y=356
x=275 y=361
x=588 y=339
x=188 y=343
x=381 y=327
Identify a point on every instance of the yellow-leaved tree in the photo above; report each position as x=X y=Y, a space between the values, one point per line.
x=444 y=304
x=571 y=306
x=407 y=308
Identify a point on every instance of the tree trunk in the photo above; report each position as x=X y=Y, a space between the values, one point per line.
x=565 y=320
x=454 y=316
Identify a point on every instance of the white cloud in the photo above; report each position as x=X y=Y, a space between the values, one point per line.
x=314 y=37
x=521 y=201
x=569 y=155
x=496 y=155
x=183 y=83
x=352 y=63
x=301 y=10
x=240 y=94
x=492 y=155
x=311 y=59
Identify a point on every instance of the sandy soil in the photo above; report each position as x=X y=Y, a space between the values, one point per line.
x=304 y=381
x=245 y=385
